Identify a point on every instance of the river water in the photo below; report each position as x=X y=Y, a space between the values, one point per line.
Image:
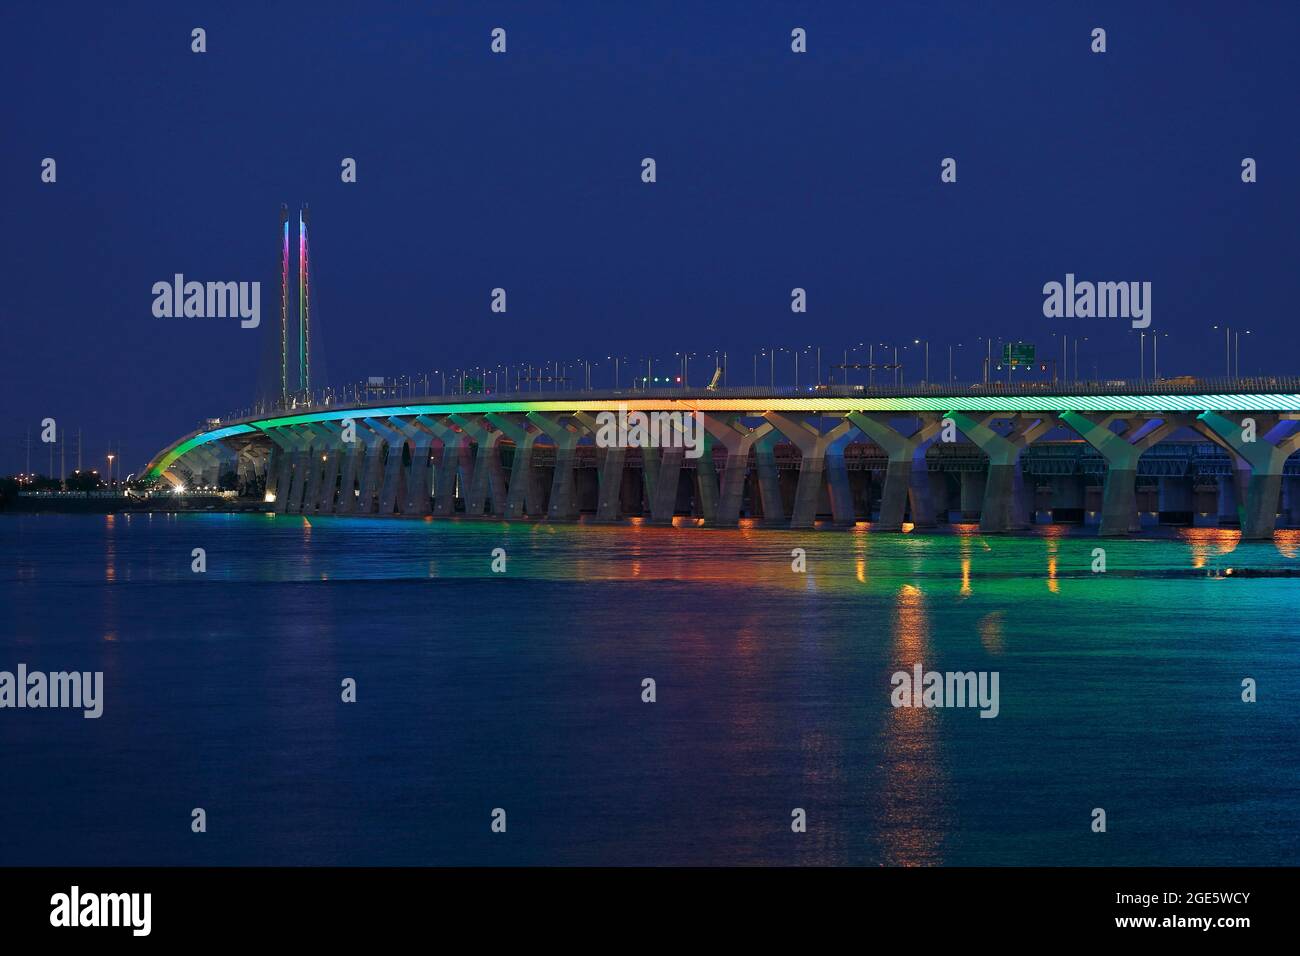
x=522 y=690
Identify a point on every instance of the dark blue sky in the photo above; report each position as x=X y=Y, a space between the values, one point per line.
x=523 y=171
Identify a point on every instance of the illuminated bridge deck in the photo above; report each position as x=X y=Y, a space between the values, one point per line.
x=475 y=454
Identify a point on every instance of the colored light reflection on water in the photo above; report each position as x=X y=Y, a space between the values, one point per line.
x=523 y=689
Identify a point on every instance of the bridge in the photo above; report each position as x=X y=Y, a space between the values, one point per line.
x=1118 y=455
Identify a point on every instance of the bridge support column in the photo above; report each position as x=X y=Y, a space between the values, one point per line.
x=610 y=461
x=524 y=494
x=248 y=465
x=324 y=474
x=769 y=479
x=706 y=480
x=314 y=463
x=393 y=497
x=299 y=460
x=280 y=469
x=563 y=501
x=383 y=469
x=610 y=485
x=813 y=445
x=488 y=480
x=452 y=471
x=325 y=498
x=415 y=494
x=907 y=477
x=664 y=506
x=267 y=468
x=649 y=479
x=353 y=457
x=371 y=465
x=1004 y=498
x=1265 y=455
x=738 y=440
x=1122 y=451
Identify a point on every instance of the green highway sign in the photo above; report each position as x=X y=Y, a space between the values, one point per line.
x=1018 y=353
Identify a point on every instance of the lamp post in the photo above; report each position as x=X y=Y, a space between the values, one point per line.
x=1227 y=349
x=926 y=342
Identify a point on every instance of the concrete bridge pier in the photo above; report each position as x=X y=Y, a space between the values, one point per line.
x=732 y=434
x=563 y=505
x=250 y=464
x=299 y=459
x=323 y=476
x=610 y=462
x=382 y=446
x=663 y=505
x=415 y=492
x=314 y=464
x=406 y=446
x=524 y=495
x=1122 y=450
x=609 y=491
x=1273 y=439
x=1004 y=508
x=393 y=491
x=454 y=467
x=487 y=482
x=769 y=479
x=705 y=476
x=907 y=479
x=814 y=445
x=335 y=453
x=280 y=466
x=369 y=469
x=649 y=478
x=274 y=454
x=353 y=456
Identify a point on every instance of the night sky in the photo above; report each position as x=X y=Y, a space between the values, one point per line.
x=522 y=171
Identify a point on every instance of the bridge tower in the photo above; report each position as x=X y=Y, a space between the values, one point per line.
x=304 y=305
x=284 y=306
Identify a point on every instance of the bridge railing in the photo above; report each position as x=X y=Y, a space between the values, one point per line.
x=1181 y=386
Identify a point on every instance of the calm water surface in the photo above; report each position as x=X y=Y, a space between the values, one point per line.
x=523 y=691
